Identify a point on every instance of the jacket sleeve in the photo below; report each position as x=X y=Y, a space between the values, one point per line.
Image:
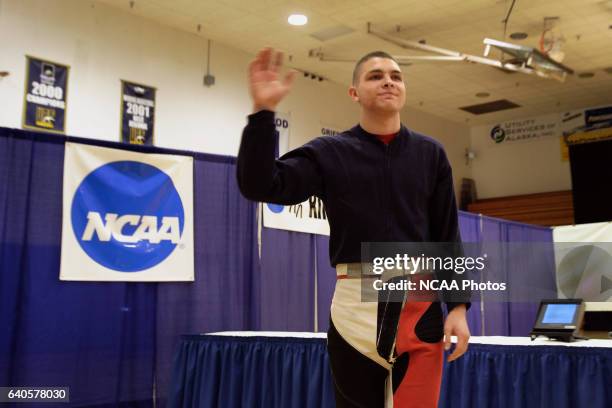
x=291 y=179
x=444 y=226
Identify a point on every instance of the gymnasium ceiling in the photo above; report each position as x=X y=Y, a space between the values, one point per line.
x=439 y=88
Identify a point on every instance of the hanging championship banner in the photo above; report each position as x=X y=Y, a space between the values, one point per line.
x=137 y=113
x=45 y=95
x=585 y=125
x=127 y=216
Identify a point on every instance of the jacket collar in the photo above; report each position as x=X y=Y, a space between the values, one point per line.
x=369 y=137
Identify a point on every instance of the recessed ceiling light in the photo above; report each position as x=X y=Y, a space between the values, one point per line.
x=518 y=36
x=297 y=19
x=483 y=94
x=586 y=75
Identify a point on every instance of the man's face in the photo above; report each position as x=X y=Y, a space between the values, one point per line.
x=380 y=87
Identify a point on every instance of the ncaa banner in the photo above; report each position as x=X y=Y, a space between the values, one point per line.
x=127 y=216
x=137 y=113
x=45 y=95
x=309 y=216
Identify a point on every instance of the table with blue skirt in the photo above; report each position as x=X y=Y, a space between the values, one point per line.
x=278 y=369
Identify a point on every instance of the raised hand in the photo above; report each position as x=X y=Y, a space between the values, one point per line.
x=265 y=85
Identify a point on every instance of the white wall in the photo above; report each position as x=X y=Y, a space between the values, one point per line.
x=520 y=167
x=102 y=45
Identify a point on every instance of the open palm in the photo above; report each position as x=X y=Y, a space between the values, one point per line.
x=265 y=84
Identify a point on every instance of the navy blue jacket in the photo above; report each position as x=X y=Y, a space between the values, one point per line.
x=401 y=192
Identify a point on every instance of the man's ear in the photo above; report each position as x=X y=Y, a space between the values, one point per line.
x=353 y=94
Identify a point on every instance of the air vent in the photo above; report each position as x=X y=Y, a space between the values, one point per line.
x=331 y=33
x=495 y=106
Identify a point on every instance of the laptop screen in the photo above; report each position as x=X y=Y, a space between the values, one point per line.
x=559 y=313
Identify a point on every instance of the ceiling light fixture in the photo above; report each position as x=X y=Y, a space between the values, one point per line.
x=297 y=19
x=527 y=60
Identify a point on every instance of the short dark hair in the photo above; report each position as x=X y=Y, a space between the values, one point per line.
x=369 y=56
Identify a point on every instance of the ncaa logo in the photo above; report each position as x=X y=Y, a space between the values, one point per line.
x=127 y=216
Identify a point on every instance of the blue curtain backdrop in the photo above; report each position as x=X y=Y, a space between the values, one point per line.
x=224 y=293
x=535 y=268
x=326 y=282
x=286 y=281
x=96 y=338
x=470 y=227
x=113 y=343
x=539 y=261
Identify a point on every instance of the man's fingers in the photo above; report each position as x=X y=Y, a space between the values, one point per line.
x=277 y=61
x=447 y=339
x=262 y=55
x=259 y=63
x=289 y=78
x=453 y=356
x=254 y=66
x=266 y=59
x=460 y=349
x=457 y=352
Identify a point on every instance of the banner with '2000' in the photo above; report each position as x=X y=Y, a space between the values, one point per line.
x=127 y=216
x=46 y=89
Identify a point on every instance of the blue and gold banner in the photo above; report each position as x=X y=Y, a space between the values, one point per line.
x=46 y=89
x=137 y=113
x=585 y=125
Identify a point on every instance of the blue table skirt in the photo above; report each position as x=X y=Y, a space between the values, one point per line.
x=529 y=376
x=268 y=372
x=242 y=372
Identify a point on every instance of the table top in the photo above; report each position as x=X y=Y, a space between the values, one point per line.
x=494 y=340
